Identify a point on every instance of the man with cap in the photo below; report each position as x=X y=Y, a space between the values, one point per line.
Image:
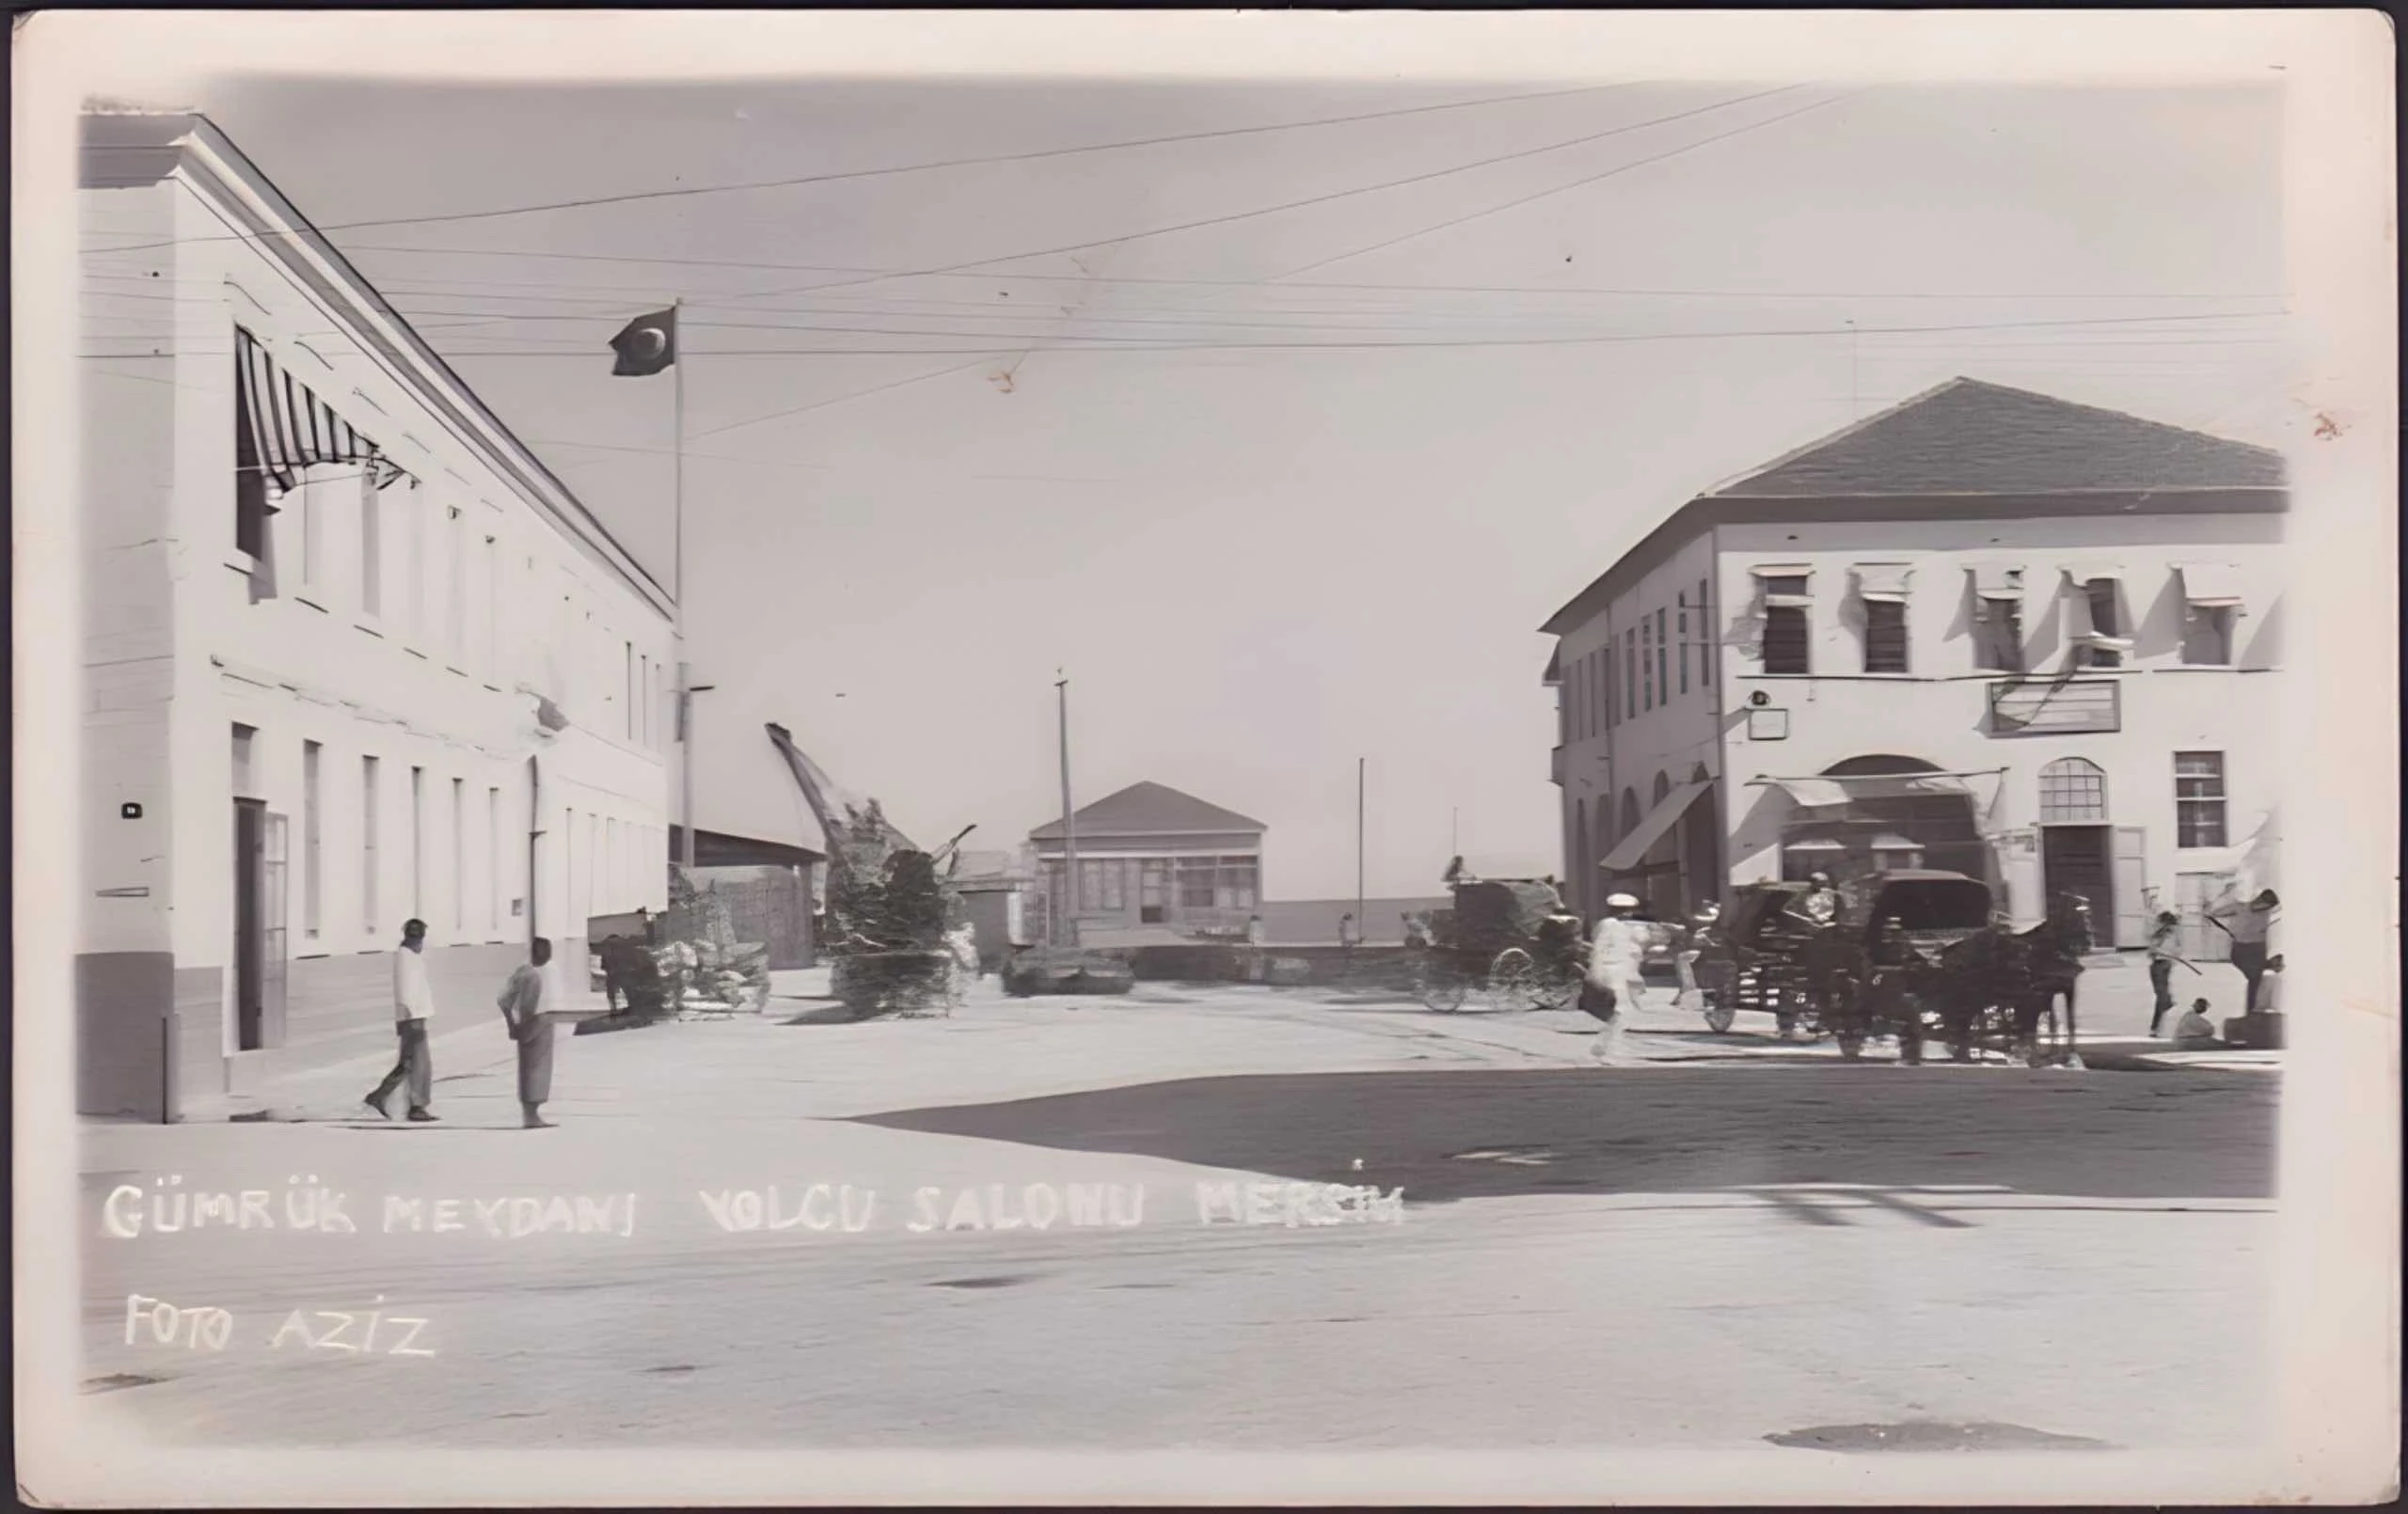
x=1614 y=954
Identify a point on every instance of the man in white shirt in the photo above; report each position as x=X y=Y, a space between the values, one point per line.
x=413 y=1006
x=1613 y=969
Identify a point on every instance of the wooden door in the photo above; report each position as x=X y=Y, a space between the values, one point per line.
x=272 y=935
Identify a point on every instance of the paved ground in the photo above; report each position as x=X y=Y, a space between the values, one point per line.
x=1661 y=1255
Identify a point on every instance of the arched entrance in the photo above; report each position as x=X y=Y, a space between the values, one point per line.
x=1875 y=827
x=2077 y=845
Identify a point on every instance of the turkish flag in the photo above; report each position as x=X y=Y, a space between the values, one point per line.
x=648 y=345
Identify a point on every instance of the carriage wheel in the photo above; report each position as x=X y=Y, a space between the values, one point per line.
x=1514 y=979
x=1440 y=988
x=1554 y=990
x=1911 y=1031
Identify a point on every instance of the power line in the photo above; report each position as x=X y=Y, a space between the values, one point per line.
x=1408 y=345
x=1562 y=189
x=999 y=276
x=1293 y=205
x=842 y=176
x=858 y=394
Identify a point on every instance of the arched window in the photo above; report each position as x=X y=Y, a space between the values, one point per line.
x=2073 y=792
x=1629 y=811
x=1663 y=788
x=1699 y=775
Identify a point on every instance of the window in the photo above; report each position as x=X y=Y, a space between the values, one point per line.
x=370 y=824
x=313 y=882
x=1601 y=688
x=1153 y=891
x=2198 y=798
x=1706 y=640
x=1647 y=663
x=1103 y=886
x=417 y=503
x=252 y=507
x=371 y=546
x=459 y=856
x=2096 y=621
x=1663 y=657
x=1998 y=619
x=1195 y=882
x=455 y=602
x=418 y=842
x=2073 y=792
x=1685 y=641
x=1234 y=883
x=1613 y=711
x=627 y=649
x=1885 y=637
x=494 y=856
x=2212 y=605
x=1629 y=675
x=489 y=616
x=1786 y=630
x=1575 y=707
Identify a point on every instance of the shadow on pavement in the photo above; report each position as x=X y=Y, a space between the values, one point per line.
x=1680 y=1130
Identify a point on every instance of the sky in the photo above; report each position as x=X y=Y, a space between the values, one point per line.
x=1278 y=493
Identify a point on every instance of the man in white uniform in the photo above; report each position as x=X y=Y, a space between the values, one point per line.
x=413 y=1006
x=1613 y=966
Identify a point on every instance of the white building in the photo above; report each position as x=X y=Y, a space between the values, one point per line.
x=1984 y=631
x=352 y=654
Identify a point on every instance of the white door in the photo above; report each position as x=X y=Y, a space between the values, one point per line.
x=2131 y=908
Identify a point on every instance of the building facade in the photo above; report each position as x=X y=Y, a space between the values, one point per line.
x=352 y=656
x=1150 y=855
x=1986 y=631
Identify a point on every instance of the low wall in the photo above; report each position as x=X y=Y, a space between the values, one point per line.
x=1325 y=965
x=1314 y=922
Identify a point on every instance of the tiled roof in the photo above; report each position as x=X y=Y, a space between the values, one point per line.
x=1969 y=438
x=1148 y=810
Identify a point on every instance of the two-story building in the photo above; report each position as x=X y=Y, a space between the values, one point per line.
x=1150 y=855
x=352 y=653
x=1986 y=631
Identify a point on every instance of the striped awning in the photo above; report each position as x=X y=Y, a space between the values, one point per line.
x=292 y=429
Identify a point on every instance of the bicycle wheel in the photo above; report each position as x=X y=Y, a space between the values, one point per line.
x=1513 y=979
x=1440 y=986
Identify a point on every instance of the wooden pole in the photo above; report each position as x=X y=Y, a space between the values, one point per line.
x=1360 y=764
x=1066 y=926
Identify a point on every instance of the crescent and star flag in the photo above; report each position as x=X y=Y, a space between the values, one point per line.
x=648 y=345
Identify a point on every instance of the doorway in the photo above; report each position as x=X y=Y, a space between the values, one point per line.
x=258 y=926
x=2080 y=860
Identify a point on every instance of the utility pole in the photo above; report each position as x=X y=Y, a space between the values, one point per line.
x=1361 y=763
x=1065 y=928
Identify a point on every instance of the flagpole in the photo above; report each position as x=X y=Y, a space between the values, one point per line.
x=677 y=574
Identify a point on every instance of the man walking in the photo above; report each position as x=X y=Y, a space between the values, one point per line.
x=1613 y=969
x=413 y=1006
x=522 y=1009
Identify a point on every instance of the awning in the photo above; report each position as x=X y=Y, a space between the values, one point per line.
x=1998 y=580
x=1834 y=793
x=1783 y=570
x=2093 y=573
x=1891 y=842
x=2211 y=585
x=1882 y=580
x=1626 y=852
x=292 y=429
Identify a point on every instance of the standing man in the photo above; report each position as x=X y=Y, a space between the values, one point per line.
x=522 y=1009
x=2164 y=950
x=2249 y=925
x=413 y=1006
x=1254 y=944
x=1349 y=937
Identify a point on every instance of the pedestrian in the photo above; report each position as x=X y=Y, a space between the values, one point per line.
x=413 y=1006
x=1613 y=967
x=522 y=1010
x=2249 y=925
x=2164 y=950
x=1350 y=936
x=2194 y=1031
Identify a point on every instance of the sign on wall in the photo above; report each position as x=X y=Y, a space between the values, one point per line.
x=2055 y=707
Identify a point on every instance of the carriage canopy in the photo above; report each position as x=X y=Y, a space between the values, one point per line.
x=1497 y=913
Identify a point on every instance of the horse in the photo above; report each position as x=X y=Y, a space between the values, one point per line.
x=2051 y=954
x=2022 y=972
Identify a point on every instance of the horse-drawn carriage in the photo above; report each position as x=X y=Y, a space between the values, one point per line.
x=1511 y=938
x=1914 y=955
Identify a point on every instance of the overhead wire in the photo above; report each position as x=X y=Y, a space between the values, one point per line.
x=840 y=176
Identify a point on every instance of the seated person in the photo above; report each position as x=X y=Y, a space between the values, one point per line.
x=2195 y=1030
